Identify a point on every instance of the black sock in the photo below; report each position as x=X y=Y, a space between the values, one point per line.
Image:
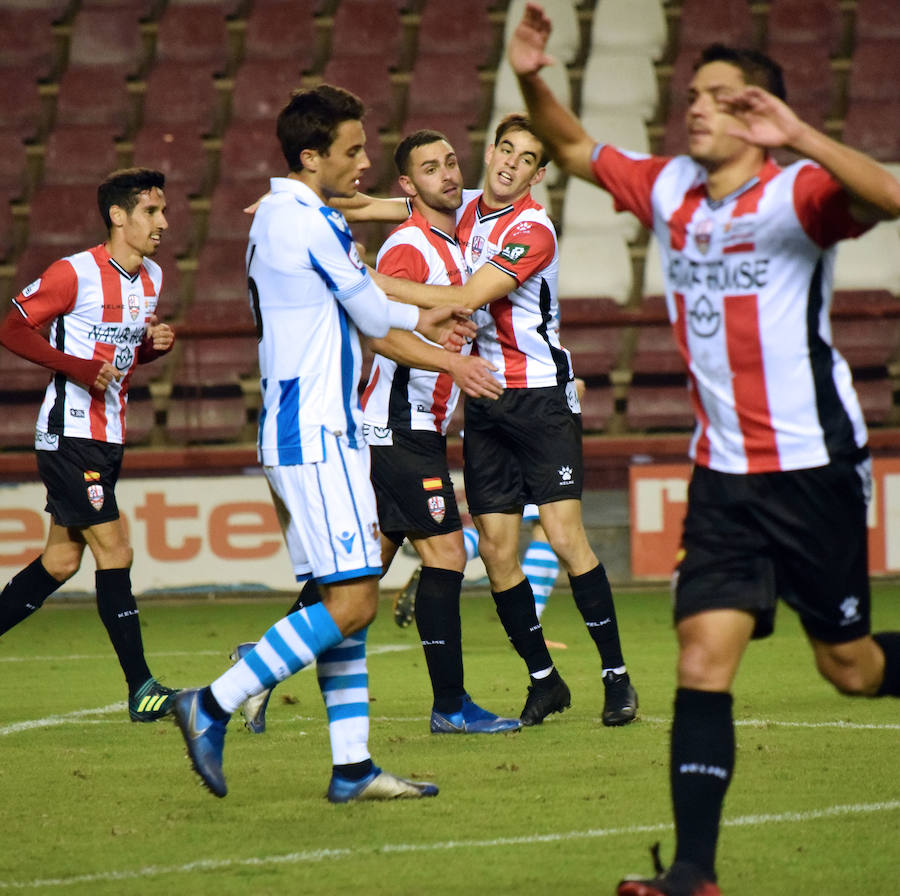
x=353 y=771
x=702 y=762
x=889 y=642
x=437 y=619
x=515 y=607
x=119 y=612
x=594 y=600
x=211 y=706
x=24 y=593
x=308 y=596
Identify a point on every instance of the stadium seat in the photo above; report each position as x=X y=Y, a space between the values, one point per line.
x=870 y=262
x=624 y=130
x=467 y=32
x=78 y=154
x=587 y=208
x=362 y=29
x=726 y=21
x=283 y=30
x=65 y=216
x=107 y=35
x=13 y=164
x=180 y=92
x=863 y=328
x=564 y=44
x=227 y=219
x=597 y=406
x=869 y=126
x=96 y=95
x=140 y=417
x=194 y=32
x=594 y=265
x=21 y=110
x=371 y=82
x=251 y=153
x=261 y=89
x=595 y=348
x=36 y=258
x=636 y=26
x=806 y=23
x=205 y=415
x=220 y=285
x=657 y=406
x=875 y=399
x=615 y=80
x=20 y=410
x=207 y=362
x=19 y=375
x=508 y=98
x=655 y=351
x=178 y=150
x=876 y=20
x=875 y=72
x=440 y=83
x=34 y=50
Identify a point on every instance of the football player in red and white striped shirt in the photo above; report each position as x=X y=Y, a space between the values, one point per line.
x=777 y=501
x=100 y=310
x=525 y=447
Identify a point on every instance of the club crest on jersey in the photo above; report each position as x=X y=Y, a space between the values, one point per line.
x=477 y=247
x=437 y=508
x=134 y=306
x=703 y=234
x=95 y=495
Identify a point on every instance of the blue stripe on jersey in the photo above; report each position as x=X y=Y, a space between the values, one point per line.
x=288 y=422
x=322 y=272
x=263 y=413
x=349 y=381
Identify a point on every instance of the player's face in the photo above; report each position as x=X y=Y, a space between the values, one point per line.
x=342 y=167
x=707 y=117
x=435 y=176
x=512 y=168
x=144 y=224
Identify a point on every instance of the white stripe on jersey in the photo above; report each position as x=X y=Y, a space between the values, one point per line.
x=96 y=310
x=400 y=397
x=749 y=283
x=518 y=334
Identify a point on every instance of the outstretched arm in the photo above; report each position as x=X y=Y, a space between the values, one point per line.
x=486 y=285
x=561 y=132
x=764 y=120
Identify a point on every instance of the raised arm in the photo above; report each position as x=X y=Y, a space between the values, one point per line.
x=363 y=207
x=764 y=120
x=561 y=132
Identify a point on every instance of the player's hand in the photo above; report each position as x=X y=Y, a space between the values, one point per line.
x=528 y=43
x=449 y=327
x=761 y=118
x=251 y=209
x=473 y=375
x=160 y=336
x=106 y=375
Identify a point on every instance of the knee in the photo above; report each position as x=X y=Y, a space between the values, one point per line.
x=62 y=565
x=848 y=673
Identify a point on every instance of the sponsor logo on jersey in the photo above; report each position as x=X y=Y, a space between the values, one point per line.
x=32 y=288
x=432 y=483
x=850 y=609
x=703 y=234
x=134 y=306
x=95 y=495
x=565 y=475
x=514 y=252
x=78 y=413
x=437 y=508
x=704 y=319
x=345 y=539
x=124 y=358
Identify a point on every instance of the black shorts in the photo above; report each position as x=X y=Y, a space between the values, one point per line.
x=81 y=476
x=799 y=535
x=413 y=488
x=523 y=448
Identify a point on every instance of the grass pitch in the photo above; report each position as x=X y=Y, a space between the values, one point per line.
x=94 y=804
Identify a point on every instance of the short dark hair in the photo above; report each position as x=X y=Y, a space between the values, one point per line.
x=311 y=118
x=515 y=121
x=412 y=141
x=124 y=187
x=757 y=68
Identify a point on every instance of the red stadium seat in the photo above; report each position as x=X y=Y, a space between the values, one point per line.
x=140 y=417
x=220 y=285
x=107 y=35
x=20 y=410
x=261 y=89
x=875 y=73
x=806 y=22
x=197 y=415
x=194 y=32
x=870 y=125
x=597 y=405
x=65 y=216
x=361 y=28
x=34 y=48
x=36 y=258
x=96 y=95
x=468 y=32
x=725 y=21
x=178 y=151
x=283 y=30
x=78 y=154
x=251 y=153
x=655 y=406
x=19 y=375
x=20 y=108
x=181 y=92
x=876 y=20
x=216 y=361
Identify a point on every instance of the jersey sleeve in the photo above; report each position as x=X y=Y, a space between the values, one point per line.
x=629 y=178
x=528 y=247
x=404 y=260
x=51 y=295
x=823 y=207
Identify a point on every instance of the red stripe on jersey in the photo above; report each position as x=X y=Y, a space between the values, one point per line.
x=738 y=247
x=369 y=389
x=679 y=221
x=514 y=360
x=748 y=382
x=443 y=386
x=111 y=287
x=701 y=449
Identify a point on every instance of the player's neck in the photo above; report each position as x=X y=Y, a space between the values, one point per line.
x=727 y=177
x=443 y=221
x=123 y=255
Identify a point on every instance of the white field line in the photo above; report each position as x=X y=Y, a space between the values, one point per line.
x=318 y=855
